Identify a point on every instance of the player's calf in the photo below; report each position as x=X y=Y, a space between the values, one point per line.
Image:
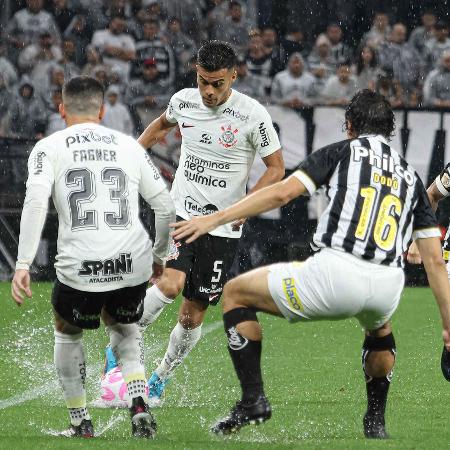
x=378 y=357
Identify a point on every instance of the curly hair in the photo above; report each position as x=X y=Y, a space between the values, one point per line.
x=216 y=55
x=370 y=113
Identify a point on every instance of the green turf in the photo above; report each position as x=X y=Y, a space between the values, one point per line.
x=312 y=373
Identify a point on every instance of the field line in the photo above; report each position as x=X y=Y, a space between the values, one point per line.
x=52 y=385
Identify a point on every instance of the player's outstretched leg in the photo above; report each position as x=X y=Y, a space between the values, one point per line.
x=378 y=358
x=71 y=369
x=183 y=339
x=126 y=342
x=242 y=297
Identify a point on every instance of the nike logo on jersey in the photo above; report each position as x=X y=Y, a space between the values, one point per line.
x=187 y=126
x=212 y=297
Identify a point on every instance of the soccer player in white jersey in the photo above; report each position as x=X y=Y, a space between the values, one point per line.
x=377 y=203
x=104 y=260
x=222 y=131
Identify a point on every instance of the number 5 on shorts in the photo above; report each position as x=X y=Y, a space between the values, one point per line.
x=218 y=271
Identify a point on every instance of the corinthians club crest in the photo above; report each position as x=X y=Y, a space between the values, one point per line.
x=228 y=138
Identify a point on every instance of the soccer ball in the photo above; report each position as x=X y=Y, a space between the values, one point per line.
x=114 y=389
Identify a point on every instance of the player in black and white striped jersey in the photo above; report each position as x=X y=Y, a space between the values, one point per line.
x=377 y=204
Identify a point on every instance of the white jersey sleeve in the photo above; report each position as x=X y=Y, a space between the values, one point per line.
x=173 y=111
x=39 y=186
x=264 y=137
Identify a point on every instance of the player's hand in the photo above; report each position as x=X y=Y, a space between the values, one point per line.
x=413 y=256
x=235 y=226
x=192 y=229
x=20 y=286
x=157 y=271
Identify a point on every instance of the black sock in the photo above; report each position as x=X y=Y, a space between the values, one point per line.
x=246 y=357
x=377 y=392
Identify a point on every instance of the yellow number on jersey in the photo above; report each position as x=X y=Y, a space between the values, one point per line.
x=386 y=226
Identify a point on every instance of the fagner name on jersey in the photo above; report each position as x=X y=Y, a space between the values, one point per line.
x=117 y=266
x=384 y=162
x=264 y=135
x=94 y=154
x=82 y=138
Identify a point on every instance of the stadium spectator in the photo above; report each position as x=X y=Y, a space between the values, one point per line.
x=117 y=116
x=153 y=47
x=235 y=28
x=294 y=87
x=390 y=89
x=320 y=61
x=246 y=82
x=93 y=59
x=54 y=121
x=259 y=62
x=80 y=31
x=401 y=59
x=340 y=52
x=273 y=48
x=436 y=90
x=115 y=45
x=5 y=101
x=7 y=69
x=423 y=34
x=26 y=112
x=366 y=69
x=435 y=46
x=52 y=80
x=101 y=74
x=26 y=26
x=68 y=58
x=63 y=13
x=188 y=78
x=135 y=24
x=340 y=88
x=43 y=51
x=379 y=31
x=294 y=41
x=150 y=92
x=182 y=45
x=190 y=15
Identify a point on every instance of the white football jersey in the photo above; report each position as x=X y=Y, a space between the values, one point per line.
x=95 y=175
x=217 y=152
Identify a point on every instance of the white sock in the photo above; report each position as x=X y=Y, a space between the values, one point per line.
x=127 y=345
x=71 y=369
x=181 y=342
x=154 y=303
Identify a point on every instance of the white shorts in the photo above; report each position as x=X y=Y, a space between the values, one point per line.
x=333 y=285
x=448 y=269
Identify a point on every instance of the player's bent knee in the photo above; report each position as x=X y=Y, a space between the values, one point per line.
x=232 y=295
x=171 y=284
x=378 y=356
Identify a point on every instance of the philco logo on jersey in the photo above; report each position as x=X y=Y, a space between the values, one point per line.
x=90 y=137
x=38 y=159
x=265 y=141
x=188 y=105
x=383 y=162
x=228 y=138
x=291 y=294
x=117 y=266
x=195 y=209
x=236 y=114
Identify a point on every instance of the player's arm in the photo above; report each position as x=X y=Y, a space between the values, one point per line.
x=34 y=212
x=156 y=131
x=435 y=192
x=430 y=250
x=263 y=200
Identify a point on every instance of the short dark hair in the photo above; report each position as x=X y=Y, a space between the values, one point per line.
x=216 y=55
x=83 y=95
x=370 y=113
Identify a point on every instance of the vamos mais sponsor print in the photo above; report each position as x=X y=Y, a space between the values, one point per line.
x=194 y=170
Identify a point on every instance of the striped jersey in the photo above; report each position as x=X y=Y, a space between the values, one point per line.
x=442 y=182
x=377 y=201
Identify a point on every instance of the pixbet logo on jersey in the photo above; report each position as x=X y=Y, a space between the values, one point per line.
x=90 y=137
x=228 y=138
x=108 y=269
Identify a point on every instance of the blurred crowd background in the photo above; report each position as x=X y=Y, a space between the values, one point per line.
x=295 y=53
